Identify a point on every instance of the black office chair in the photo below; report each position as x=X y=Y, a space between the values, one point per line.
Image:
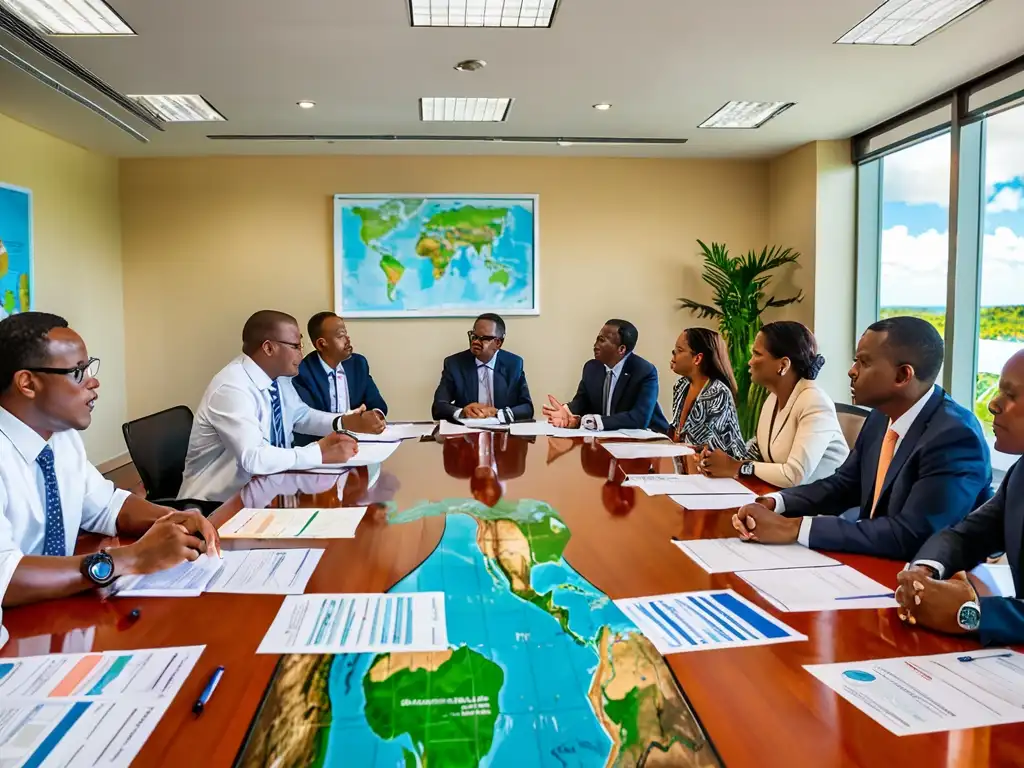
x=851 y=420
x=158 y=445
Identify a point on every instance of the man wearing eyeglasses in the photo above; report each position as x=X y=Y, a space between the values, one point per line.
x=48 y=489
x=483 y=381
x=246 y=421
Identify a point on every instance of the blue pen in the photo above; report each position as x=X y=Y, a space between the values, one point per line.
x=867 y=597
x=982 y=658
x=211 y=686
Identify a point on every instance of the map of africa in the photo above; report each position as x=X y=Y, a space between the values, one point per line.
x=15 y=251
x=435 y=255
x=543 y=669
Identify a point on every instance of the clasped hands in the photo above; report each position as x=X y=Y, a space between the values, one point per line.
x=759 y=522
x=479 y=411
x=717 y=463
x=559 y=415
x=365 y=421
x=931 y=602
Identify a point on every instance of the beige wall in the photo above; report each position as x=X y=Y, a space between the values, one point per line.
x=792 y=224
x=209 y=240
x=77 y=249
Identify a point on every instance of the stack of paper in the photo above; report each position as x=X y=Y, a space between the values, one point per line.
x=686 y=485
x=369 y=453
x=249 y=572
x=359 y=623
x=734 y=554
x=647 y=450
x=491 y=422
x=397 y=432
x=331 y=523
x=819 y=589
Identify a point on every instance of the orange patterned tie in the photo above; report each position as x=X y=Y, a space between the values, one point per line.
x=884 y=460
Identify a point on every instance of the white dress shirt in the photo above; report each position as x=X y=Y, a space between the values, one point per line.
x=901 y=427
x=337 y=383
x=9 y=560
x=593 y=420
x=88 y=501
x=485 y=372
x=231 y=434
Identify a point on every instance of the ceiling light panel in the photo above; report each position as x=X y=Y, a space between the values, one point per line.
x=464 y=110
x=745 y=114
x=179 y=108
x=482 y=13
x=907 y=22
x=69 y=17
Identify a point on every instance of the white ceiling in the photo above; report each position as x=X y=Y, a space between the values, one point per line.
x=666 y=65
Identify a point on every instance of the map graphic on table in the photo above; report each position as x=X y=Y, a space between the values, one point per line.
x=543 y=669
x=434 y=256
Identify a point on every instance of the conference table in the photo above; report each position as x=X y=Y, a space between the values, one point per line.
x=757 y=705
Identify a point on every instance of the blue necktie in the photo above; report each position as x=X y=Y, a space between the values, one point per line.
x=277 y=419
x=53 y=543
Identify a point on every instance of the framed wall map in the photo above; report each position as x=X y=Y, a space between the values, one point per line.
x=435 y=255
x=15 y=250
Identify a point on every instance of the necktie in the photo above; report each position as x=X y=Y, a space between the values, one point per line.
x=277 y=418
x=53 y=541
x=884 y=460
x=606 y=393
x=486 y=396
x=335 y=399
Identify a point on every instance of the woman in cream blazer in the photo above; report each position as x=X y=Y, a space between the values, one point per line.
x=799 y=439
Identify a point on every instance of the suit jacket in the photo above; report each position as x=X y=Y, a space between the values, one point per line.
x=804 y=444
x=460 y=386
x=711 y=421
x=314 y=389
x=996 y=526
x=939 y=474
x=634 y=399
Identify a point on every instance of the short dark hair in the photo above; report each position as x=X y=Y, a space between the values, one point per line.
x=315 y=326
x=913 y=342
x=787 y=338
x=628 y=334
x=23 y=343
x=499 y=324
x=261 y=326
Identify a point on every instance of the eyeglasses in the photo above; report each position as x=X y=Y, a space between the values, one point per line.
x=80 y=373
x=473 y=337
x=297 y=347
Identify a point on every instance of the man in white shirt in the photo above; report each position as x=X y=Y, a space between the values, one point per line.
x=247 y=418
x=48 y=489
x=920 y=463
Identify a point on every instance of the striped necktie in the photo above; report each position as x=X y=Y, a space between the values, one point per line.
x=54 y=544
x=277 y=418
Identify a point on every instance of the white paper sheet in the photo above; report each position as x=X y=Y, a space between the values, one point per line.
x=715 y=501
x=489 y=423
x=87 y=709
x=997 y=577
x=544 y=428
x=640 y=434
x=700 y=621
x=928 y=694
x=734 y=554
x=686 y=485
x=647 y=450
x=834 y=588
x=329 y=523
x=359 y=623
x=450 y=429
x=369 y=453
x=9 y=560
x=396 y=433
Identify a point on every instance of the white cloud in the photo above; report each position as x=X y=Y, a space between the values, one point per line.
x=1004 y=147
x=914 y=268
x=918 y=175
x=1006 y=199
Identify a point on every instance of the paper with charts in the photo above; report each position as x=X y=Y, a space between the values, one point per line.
x=733 y=554
x=540 y=668
x=353 y=623
x=702 y=621
x=286 y=523
x=834 y=588
x=927 y=694
x=87 y=709
x=239 y=571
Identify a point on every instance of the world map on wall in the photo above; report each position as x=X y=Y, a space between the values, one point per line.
x=435 y=255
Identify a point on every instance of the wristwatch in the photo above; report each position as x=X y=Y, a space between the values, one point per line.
x=969 y=616
x=747 y=469
x=99 y=568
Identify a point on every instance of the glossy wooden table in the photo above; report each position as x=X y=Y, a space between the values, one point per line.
x=759 y=707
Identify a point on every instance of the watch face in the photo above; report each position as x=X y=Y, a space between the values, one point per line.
x=747 y=469
x=101 y=569
x=969 y=617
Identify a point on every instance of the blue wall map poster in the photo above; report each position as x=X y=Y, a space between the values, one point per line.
x=435 y=255
x=15 y=250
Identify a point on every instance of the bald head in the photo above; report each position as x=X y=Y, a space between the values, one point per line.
x=1007 y=407
x=273 y=341
x=262 y=326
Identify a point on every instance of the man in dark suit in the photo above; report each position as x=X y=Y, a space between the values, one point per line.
x=996 y=526
x=333 y=378
x=920 y=463
x=618 y=389
x=485 y=380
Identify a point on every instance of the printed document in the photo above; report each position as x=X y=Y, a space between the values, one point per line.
x=834 y=588
x=734 y=554
x=329 y=523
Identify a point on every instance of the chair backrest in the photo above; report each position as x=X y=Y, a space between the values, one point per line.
x=851 y=419
x=158 y=445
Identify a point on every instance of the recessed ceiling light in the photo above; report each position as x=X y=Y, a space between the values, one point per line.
x=69 y=17
x=907 y=22
x=565 y=143
x=745 y=114
x=482 y=13
x=305 y=104
x=602 y=107
x=470 y=65
x=179 y=108
x=476 y=110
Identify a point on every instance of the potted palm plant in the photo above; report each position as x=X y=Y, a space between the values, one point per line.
x=738 y=302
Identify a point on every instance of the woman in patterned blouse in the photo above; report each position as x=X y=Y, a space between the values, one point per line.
x=703 y=404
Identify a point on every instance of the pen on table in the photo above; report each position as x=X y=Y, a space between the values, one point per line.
x=966 y=659
x=211 y=686
x=867 y=597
